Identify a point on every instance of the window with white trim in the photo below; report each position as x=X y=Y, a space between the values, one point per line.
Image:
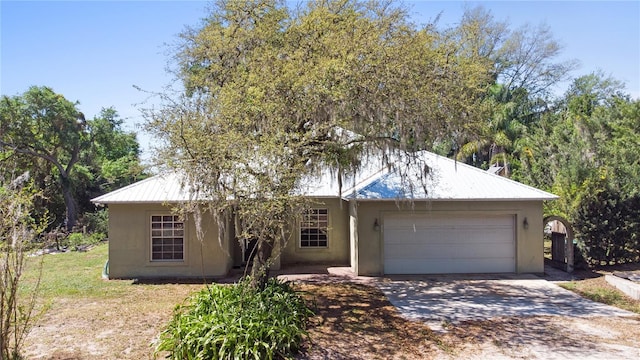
x=314 y=229
x=167 y=238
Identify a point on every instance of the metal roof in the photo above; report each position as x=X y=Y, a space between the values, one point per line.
x=447 y=180
x=163 y=188
x=324 y=183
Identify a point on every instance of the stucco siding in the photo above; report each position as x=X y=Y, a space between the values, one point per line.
x=337 y=251
x=369 y=244
x=130 y=246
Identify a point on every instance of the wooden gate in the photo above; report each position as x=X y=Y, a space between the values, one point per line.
x=558 y=247
x=561 y=245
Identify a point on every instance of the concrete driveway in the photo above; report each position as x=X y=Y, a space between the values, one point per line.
x=439 y=300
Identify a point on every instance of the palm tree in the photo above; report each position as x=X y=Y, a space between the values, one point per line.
x=511 y=113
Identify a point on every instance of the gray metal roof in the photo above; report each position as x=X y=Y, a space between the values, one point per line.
x=163 y=188
x=447 y=180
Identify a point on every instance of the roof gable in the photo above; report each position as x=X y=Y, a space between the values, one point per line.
x=448 y=180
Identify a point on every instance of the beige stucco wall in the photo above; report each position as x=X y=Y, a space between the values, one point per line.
x=337 y=251
x=369 y=242
x=352 y=238
x=130 y=246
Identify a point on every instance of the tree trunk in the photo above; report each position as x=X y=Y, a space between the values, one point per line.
x=261 y=264
x=69 y=202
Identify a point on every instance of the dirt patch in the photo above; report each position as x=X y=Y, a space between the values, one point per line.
x=116 y=328
x=355 y=321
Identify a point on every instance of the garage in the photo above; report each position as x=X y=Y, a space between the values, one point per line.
x=432 y=243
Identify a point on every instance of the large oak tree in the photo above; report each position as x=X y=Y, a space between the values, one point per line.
x=45 y=126
x=69 y=159
x=274 y=94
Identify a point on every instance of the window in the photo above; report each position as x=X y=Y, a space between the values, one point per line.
x=167 y=238
x=314 y=228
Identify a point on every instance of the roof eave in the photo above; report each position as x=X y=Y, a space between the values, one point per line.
x=107 y=202
x=454 y=199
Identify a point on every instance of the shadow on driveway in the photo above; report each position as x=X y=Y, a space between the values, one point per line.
x=451 y=298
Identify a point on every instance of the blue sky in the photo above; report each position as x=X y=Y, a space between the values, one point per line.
x=94 y=52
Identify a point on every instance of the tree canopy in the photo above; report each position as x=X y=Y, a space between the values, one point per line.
x=525 y=69
x=70 y=159
x=586 y=149
x=45 y=126
x=273 y=94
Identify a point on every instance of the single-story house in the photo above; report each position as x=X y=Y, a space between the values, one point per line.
x=464 y=221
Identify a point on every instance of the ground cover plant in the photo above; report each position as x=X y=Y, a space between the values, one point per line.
x=238 y=321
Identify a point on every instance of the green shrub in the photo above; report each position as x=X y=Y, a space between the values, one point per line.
x=76 y=240
x=237 y=322
x=96 y=222
x=607 y=225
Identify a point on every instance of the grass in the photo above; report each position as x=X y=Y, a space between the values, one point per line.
x=597 y=289
x=73 y=275
x=90 y=318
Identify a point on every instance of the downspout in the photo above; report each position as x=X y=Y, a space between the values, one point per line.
x=105 y=271
x=353 y=234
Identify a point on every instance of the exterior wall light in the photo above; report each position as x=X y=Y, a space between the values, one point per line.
x=525 y=223
x=376 y=225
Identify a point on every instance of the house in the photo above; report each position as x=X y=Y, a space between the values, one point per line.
x=464 y=220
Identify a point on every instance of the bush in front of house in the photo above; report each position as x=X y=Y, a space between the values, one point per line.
x=237 y=322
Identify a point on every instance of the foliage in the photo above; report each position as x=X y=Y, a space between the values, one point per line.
x=114 y=156
x=585 y=149
x=237 y=322
x=17 y=230
x=275 y=95
x=78 y=240
x=608 y=227
x=511 y=114
x=96 y=221
x=44 y=126
x=525 y=67
x=69 y=159
x=523 y=59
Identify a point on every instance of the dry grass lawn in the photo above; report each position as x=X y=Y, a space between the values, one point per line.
x=113 y=328
x=598 y=289
x=353 y=321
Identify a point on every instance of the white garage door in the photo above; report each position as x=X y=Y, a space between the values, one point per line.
x=440 y=244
